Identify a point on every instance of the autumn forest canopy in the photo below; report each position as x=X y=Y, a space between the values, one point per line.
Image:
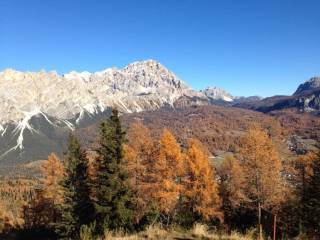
x=136 y=179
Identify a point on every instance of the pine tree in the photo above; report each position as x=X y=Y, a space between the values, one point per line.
x=77 y=208
x=200 y=189
x=112 y=196
x=312 y=200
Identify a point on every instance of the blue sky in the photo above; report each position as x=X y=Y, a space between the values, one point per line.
x=257 y=47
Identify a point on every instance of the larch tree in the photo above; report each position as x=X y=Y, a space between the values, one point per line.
x=140 y=155
x=77 y=207
x=232 y=182
x=112 y=195
x=264 y=183
x=312 y=200
x=53 y=172
x=43 y=210
x=200 y=189
x=168 y=168
x=304 y=165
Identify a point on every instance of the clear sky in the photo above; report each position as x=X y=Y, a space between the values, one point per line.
x=257 y=47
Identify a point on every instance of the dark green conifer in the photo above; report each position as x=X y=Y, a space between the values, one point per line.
x=77 y=208
x=113 y=198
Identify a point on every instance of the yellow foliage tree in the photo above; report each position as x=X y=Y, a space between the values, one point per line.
x=139 y=152
x=200 y=189
x=166 y=173
x=5 y=218
x=140 y=155
x=232 y=182
x=264 y=184
x=304 y=171
x=43 y=209
x=52 y=172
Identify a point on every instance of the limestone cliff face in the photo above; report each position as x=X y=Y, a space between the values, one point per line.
x=38 y=106
x=309 y=85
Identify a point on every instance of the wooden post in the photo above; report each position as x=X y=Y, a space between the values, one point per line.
x=260 y=225
x=275 y=227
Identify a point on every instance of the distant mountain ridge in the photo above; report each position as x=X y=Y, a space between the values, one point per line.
x=38 y=109
x=305 y=99
x=145 y=85
x=64 y=102
x=217 y=94
x=309 y=85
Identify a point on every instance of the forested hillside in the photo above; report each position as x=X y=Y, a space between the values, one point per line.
x=163 y=181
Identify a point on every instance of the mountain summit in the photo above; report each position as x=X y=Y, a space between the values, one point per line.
x=43 y=105
x=140 y=86
x=144 y=85
x=311 y=84
x=218 y=94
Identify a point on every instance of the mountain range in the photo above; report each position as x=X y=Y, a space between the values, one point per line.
x=38 y=109
x=306 y=99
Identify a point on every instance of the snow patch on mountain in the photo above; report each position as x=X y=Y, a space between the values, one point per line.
x=24 y=125
x=144 y=85
x=68 y=124
x=140 y=86
x=217 y=94
x=3 y=132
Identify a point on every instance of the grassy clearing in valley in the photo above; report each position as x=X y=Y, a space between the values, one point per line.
x=199 y=231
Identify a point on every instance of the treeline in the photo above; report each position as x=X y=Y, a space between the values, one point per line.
x=134 y=181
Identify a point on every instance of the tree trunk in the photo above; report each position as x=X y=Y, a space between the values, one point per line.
x=275 y=227
x=260 y=225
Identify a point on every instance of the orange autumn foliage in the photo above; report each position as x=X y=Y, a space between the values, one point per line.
x=166 y=173
x=262 y=167
x=232 y=181
x=5 y=218
x=139 y=153
x=304 y=171
x=304 y=163
x=200 y=189
x=43 y=208
x=53 y=172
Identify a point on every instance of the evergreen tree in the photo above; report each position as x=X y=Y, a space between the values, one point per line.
x=112 y=196
x=312 y=200
x=77 y=208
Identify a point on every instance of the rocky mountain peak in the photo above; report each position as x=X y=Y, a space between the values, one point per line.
x=145 y=85
x=217 y=94
x=311 y=84
x=39 y=103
